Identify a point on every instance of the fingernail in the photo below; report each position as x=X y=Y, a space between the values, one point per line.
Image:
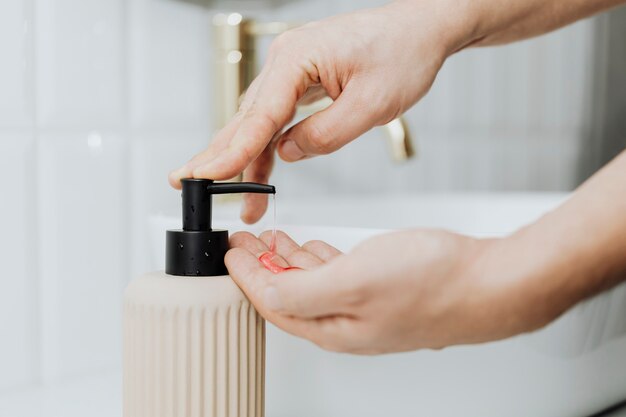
x=271 y=299
x=291 y=150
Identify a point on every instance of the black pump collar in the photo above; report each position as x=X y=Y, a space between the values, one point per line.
x=197 y=249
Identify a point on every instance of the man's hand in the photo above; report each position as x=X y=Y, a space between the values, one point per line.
x=395 y=292
x=374 y=64
x=431 y=288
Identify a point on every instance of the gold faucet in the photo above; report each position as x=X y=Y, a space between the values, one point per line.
x=235 y=40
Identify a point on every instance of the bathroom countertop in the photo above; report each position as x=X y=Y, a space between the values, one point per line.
x=94 y=396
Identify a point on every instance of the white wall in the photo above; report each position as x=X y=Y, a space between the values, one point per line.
x=100 y=98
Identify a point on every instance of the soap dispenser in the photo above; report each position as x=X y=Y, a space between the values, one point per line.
x=194 y=346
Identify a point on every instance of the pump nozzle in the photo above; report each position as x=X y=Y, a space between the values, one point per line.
x=197 y=201
x=238 y=187
x=198 y=249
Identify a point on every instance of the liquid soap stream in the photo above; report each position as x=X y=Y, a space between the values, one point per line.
x=273 y=243
x=267 y=258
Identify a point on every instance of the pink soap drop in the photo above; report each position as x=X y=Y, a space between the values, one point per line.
x=267 y=260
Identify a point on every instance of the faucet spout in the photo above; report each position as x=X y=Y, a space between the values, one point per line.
x=399 y=140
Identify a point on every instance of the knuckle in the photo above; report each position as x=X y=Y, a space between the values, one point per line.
x=319 y=140
x=240 y=113
x=281 y=42
x=262 y=118
x=244 y=105
x=243 y=155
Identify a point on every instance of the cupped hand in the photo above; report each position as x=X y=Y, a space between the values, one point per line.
x=394 y=292
x=374 y=64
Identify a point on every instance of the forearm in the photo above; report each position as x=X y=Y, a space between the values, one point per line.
x=504 y=22
x=575 y=251
x=490 y=22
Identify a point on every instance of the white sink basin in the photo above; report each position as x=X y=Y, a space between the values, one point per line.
x=574 y=367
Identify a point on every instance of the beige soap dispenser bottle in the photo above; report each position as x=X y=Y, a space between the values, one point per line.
x=194 y=346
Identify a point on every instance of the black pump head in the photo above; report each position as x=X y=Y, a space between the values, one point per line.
x=197 y=249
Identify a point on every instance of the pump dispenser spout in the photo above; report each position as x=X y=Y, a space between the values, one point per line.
x=197 y=201
x=198 y=249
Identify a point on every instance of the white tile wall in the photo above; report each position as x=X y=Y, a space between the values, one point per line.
x=83 y=244
x=99 y=99
x=80 y=45
x=514 y=110
x=16 y=89
x=170 y=72
x=18 y=254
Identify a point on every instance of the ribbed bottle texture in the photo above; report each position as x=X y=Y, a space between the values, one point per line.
x=191 y=356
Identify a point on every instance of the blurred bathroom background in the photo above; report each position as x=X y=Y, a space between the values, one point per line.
x=99 y=99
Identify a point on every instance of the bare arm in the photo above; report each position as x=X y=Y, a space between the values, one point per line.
x=504 y=22
x=575 y=251
x=429 y=288
x=392 y=53
x=381 y=297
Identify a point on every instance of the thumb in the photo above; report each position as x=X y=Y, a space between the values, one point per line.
x=330 y=129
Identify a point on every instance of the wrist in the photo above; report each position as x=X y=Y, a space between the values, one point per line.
x=518 y=293
x=540 y=275
x=454 y=23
